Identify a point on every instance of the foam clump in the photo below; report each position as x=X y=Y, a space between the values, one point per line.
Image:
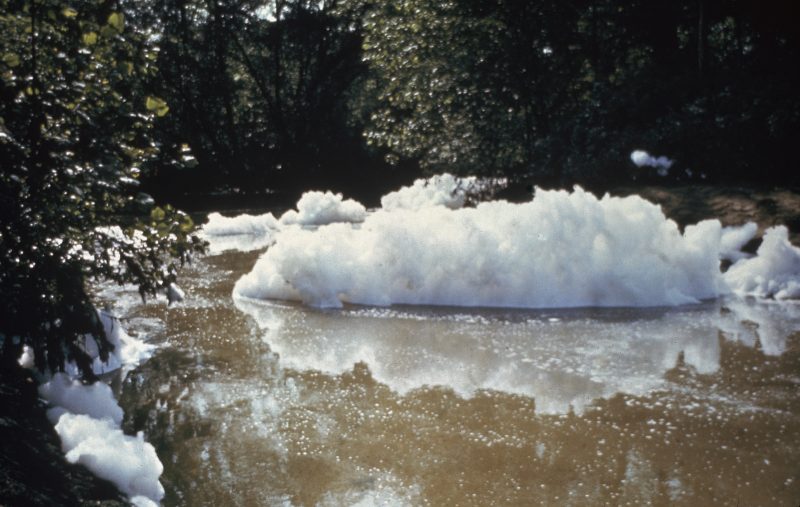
x=127 y=351
x=662 y=164
x=643 y=159
x=440 y=190
x=252 y=232
x=562 y=249
x=773 y=273
x=87 y=419
x=219 y=225
x=238 y=242
x=734 y=238
x=95 y=400
x=127 y=461
x=26 y=360
x=322 y=208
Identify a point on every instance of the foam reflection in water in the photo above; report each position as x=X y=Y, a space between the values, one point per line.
x=560 y=358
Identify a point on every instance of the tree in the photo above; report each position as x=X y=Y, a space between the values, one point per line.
x=564 y=91
x=75 y=136
x=262 y=92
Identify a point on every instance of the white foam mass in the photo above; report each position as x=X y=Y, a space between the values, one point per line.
x=734 y=238
x=321 y=208
x=95 y=400
x=238 y=242
x=26 y=360
x=773 y=273
x=219 y=225
x=127 y=351
x=643 y=159
x=243 y=232
x=440 y=190
x=127 y=461
x=252 y=232
x=562 y=249
x=87 y=419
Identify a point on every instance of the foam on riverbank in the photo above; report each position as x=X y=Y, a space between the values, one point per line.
x=87 y=419
x=127 y=461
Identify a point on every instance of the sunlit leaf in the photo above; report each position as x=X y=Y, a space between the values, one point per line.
x=117 y=21
x=187 y=225
x=11 y=59
x=153 y=103
x=156 y=105
x=69 y=12
x=90 y=38
x=157 y=214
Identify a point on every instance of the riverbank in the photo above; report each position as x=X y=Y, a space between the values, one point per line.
x=33 y=470
x=732 y=205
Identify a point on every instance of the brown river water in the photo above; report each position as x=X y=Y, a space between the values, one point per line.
x=274 y=404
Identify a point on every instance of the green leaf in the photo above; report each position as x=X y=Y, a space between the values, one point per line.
x=157 y=214
x=90 y=39
x=108 y=32
x=117 y=21
x=11 y=59
x=156 y=105
x=69 y=12
x=187 y=224
x=153 y=103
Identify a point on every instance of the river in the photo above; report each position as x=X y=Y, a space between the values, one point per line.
x=275 y=403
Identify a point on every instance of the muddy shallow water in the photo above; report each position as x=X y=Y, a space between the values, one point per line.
x=254 y=403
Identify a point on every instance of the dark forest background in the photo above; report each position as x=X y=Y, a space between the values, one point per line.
x=358 y=95
x=355 y=95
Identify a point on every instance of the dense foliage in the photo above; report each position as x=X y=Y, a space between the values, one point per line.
x=568 y=89
x=265 y=93
x=75 y=135
x=272 y=93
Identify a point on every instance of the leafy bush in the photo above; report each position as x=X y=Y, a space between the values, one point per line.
x=75 y=136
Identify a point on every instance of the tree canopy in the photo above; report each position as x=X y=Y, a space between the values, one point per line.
x=569 y=89
x=269 y=94
x=76 y=128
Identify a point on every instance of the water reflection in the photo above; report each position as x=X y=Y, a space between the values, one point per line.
x=276 y=404
x=562 y=359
